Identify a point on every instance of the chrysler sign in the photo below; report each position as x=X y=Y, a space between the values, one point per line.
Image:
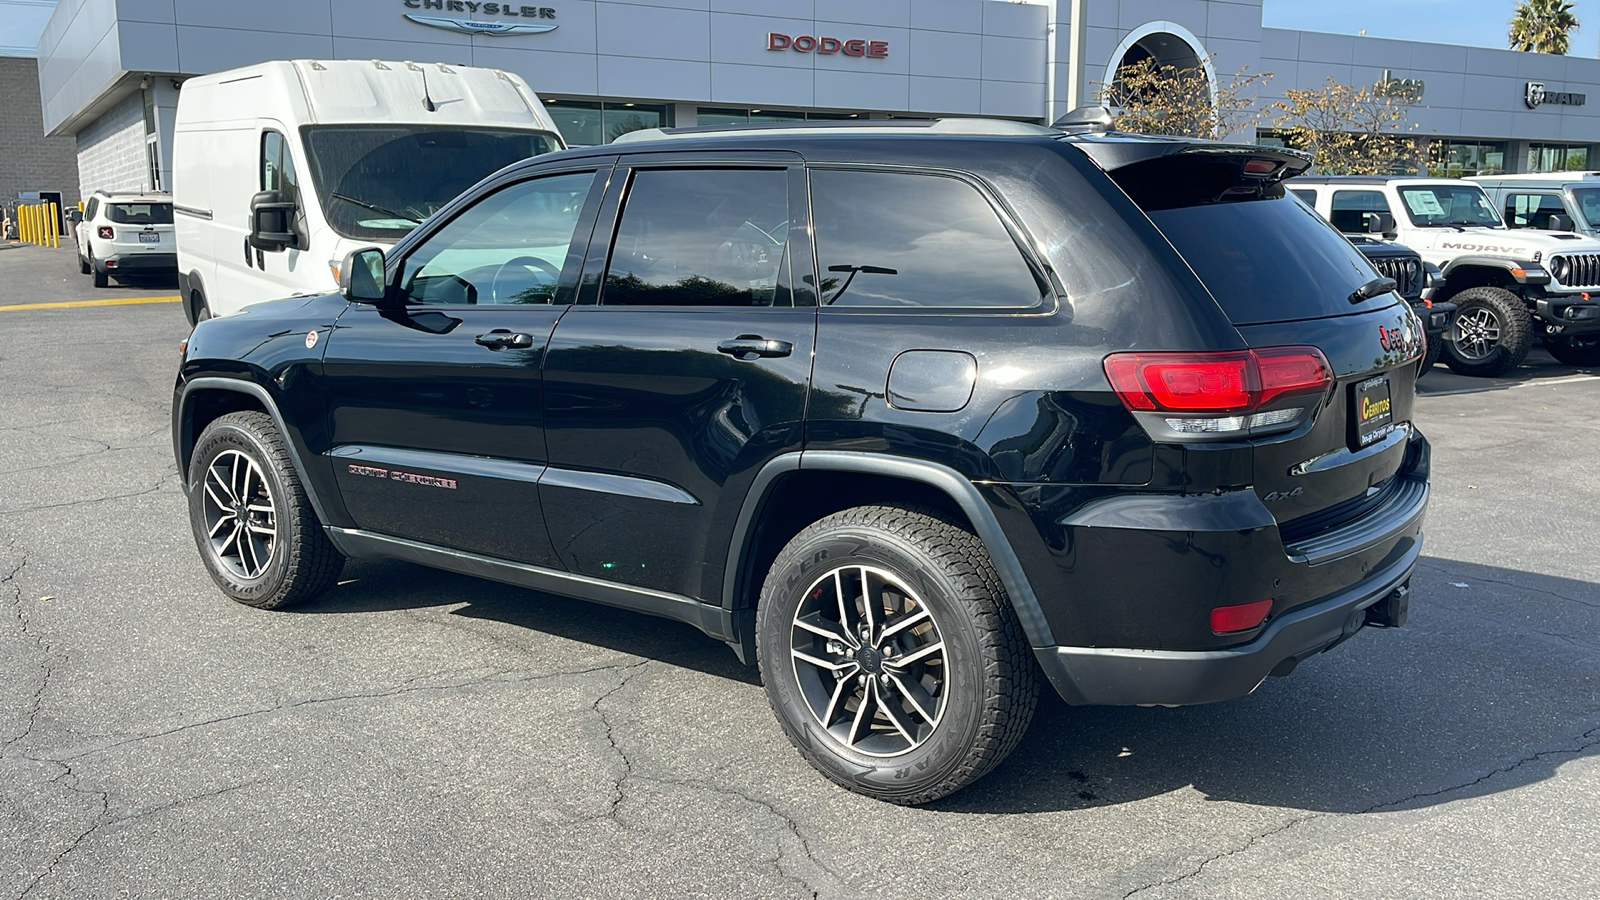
x=481 y=23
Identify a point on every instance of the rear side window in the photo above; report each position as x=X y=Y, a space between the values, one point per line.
x=1269 y=260
x=891 y=239
x=1309 y=198
x=1353 y=211
x=1532 y=210
x=702 y=237
x=140 y=213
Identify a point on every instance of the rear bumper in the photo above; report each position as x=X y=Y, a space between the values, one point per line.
x=140 y=262
x=1124 y=677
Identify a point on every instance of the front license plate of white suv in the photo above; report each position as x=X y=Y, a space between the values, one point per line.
x=1373 y=409
x=149 y=238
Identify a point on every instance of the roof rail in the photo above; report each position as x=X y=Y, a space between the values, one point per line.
x=946 y=126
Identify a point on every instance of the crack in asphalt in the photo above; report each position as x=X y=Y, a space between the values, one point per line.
x=25 y=628
x=69 y=779
x=494 y=678
x=150 y=490
x=630 y=774
x=1586 y=741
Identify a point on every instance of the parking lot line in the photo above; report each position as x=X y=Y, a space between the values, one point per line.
x=67 y=304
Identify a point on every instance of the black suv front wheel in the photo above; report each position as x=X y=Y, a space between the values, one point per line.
x=252 y=519
x=891 y=655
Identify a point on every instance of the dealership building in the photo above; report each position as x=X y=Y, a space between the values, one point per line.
x=111 y=71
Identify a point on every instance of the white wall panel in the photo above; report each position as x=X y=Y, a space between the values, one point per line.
x=1018 y=20
x=652 y=32
x=946 y=95
x=948 y=54
x=546 y=71
x=864 y=12
x=855 y=90
x=217 y=49
x=658 y=79
x=761 y=85
x=1011 y=98
x=743 y=40
x=948 y=15
x=147 y=11
x=148 y=47
x=279 y=16
x=1013 y=59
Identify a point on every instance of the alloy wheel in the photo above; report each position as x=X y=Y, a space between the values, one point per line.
x=870 y=660
x=241 y=519
x=1477 y=333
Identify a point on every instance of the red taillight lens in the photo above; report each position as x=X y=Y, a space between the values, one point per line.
x=105 y=232
x=1259 y=166
x=1228 y=381
x=1245 y=616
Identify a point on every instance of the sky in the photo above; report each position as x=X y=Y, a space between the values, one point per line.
x=1475 y=23
x=1478 y=23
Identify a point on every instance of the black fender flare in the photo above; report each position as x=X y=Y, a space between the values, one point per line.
x=190 y=283
x=183 y=437
x=948 y=481
x=1533 y=273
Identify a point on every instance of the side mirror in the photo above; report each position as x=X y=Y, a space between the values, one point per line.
x=361 y=276
x=74 y=216
x=1380 y=223
x=272 y=222
x=1559 y=223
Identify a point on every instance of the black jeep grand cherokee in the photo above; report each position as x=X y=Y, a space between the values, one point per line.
x=908 y=414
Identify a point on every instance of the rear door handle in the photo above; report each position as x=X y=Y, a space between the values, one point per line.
x=500 y=338
x=754 y=346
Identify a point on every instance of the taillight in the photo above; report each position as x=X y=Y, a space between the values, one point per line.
x=1245 y=616
x=1222 y=392
x=105 y=232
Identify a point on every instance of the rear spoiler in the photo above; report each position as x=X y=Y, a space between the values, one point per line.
x=1163 y=173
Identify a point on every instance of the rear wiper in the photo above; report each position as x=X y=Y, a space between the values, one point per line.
x=1373 y=288
x=855 y=270
x=375 y=208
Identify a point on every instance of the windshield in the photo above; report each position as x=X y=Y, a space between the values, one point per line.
x=380 y=181
x=1442 y=205
x=139 y=213
x=1588 y=205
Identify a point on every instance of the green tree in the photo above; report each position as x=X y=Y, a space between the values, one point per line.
x=1155 y=99
x=1542 y=26
x=1348 y=130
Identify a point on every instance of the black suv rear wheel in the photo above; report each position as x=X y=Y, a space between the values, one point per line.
x=1493 y=332
x=891 y=655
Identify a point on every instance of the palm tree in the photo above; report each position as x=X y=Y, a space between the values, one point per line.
x=1542 y=26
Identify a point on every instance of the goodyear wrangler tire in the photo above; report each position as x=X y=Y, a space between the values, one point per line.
x=1492 y=334
x=891 y=654
x=252 y=519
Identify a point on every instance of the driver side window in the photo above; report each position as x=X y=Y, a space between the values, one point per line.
x=507 y=248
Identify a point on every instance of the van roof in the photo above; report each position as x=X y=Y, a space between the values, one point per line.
x=352 y=91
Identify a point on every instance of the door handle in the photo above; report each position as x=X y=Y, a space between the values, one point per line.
x=754 y=346
x=499 y=339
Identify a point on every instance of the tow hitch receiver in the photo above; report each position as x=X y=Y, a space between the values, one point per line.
x=1393 y=610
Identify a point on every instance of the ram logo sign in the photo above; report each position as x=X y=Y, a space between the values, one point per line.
x=1535 y=95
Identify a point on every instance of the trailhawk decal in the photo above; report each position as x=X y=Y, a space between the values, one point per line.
x=410 y=477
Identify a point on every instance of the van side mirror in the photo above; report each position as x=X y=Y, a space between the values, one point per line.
x=272 y=222
x=74 y=216
x=361 y=277
x=1559 y=223
x=1380 y=223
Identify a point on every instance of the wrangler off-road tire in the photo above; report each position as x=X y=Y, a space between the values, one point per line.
x=1492 y=334
x=900 y=613
x=252 y=520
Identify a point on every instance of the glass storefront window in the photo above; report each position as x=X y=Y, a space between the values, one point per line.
x=1557 y=157
x=1458 y=159
x=585 y=123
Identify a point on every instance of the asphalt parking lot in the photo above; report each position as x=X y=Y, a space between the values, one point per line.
x=420 y=734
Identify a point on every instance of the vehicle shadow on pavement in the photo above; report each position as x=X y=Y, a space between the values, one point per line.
x=378 y=585
x=1491 y=685
x=1539 y=366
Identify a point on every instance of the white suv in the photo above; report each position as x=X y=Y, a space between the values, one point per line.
x=126 y=234
x=1509 y=285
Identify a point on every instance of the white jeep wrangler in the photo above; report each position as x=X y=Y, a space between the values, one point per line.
x=1507 y=284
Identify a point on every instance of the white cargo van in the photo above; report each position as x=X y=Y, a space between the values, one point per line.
x=281 y=168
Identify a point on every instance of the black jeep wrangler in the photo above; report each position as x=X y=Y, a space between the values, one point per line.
x=910 y=414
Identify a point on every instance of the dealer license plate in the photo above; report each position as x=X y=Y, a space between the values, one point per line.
x=1374 y=410
x=149 y=238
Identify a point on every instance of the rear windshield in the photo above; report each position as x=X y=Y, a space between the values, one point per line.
x=139 y=213
x=1269 y=259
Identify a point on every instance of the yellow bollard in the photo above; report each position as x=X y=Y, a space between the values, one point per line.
x=33 y=225
x=26 y=215
x=53 y=220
